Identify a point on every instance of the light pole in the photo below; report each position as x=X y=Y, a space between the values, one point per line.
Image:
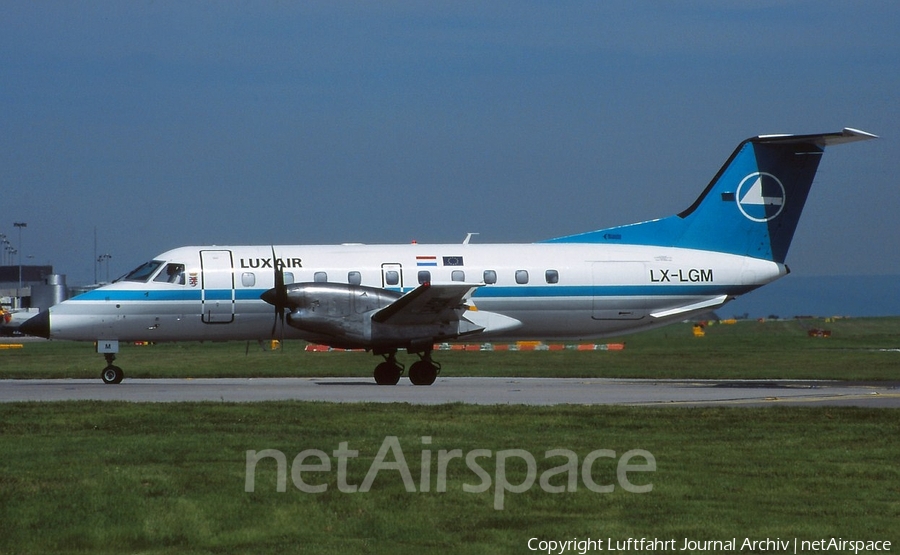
x=101 y=259
x=20 y=225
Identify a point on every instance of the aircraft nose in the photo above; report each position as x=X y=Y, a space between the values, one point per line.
x=38 y=326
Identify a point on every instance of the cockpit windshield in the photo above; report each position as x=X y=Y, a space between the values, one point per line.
x=174 y=273
x=143 y=272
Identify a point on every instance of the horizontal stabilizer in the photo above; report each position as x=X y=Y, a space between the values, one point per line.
x=847 y=135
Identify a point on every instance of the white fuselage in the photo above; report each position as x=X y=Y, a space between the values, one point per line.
x=541 y=290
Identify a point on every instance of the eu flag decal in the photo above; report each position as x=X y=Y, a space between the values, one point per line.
x=453 y=261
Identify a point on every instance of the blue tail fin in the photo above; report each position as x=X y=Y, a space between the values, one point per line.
x=750 y=208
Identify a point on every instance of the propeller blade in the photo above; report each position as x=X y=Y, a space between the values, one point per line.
x=280 y=298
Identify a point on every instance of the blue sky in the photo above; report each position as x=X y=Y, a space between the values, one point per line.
x=162 y=124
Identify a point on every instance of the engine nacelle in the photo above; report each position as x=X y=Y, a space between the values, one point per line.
x=336 y=310
x=341 y=315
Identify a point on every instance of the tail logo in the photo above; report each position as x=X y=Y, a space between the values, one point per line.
x=760 y=197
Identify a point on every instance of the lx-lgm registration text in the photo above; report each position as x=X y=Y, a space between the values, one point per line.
x=681 y=275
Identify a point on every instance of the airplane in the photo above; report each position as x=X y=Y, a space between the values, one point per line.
x=384 y=298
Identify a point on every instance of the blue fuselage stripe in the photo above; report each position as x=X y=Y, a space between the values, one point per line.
x=490 y=291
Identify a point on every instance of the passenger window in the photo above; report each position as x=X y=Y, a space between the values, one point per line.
x=392 y=277
x=552 y=276
x=248 y=279
x=354 y=278
x=424 y=277
x=174 y=273
x=490 y=276
x=458 y=275
x=320 y=277
x=521 y=277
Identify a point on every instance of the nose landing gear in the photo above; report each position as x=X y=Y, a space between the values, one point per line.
x=111 y=374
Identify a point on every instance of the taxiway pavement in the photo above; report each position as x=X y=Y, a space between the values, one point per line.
x=480 y=391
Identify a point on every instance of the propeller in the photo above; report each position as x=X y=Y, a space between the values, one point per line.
x=277 y=296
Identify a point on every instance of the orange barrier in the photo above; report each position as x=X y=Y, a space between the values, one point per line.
x=473 y=347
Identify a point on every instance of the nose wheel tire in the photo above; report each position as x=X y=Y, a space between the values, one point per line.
x=113 y=375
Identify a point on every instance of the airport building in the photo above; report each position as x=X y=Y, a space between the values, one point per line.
x=37 y=287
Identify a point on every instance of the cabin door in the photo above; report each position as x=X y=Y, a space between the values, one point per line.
x=392 y=276
x=217 y=287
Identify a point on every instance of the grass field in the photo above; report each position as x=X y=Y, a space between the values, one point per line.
x=92 y=477
x=148 y=478
x=859 y=349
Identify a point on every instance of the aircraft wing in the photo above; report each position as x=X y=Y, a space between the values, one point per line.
x=429 y=303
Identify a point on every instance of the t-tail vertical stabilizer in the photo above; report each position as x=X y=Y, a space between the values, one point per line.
x=750 y=208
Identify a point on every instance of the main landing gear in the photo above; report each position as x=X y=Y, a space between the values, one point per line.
x=422 y=372
x=389 y=371
x=111 y=374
